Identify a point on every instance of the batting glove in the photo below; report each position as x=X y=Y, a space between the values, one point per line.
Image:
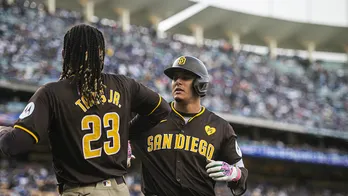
x=129 y=156
x=4 y=129
x=222 y=171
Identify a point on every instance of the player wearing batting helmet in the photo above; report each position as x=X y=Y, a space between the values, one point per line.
x=86 y=114
x=192 y=148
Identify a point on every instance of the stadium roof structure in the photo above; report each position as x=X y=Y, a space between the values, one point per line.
x=217 y=23
x=220 y=23
x=141 y=11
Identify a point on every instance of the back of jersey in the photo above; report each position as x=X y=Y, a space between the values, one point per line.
x=88 y=143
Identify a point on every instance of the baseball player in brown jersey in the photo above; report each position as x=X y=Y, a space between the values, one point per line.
x=87 y=115
x=192 y=148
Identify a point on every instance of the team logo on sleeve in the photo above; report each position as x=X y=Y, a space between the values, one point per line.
x=28 y=110
x=209 y=130
x=239 y=152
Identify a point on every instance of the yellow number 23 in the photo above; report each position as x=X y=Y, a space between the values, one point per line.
x=93 y=122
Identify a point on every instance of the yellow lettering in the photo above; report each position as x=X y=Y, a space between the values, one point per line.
x=187 y=142
x=86 y=122
x=85 y=103
x=202 y=149
x=103 y=98
x=78 y=102
x=167 y=141
x=210 y=151
x=116 y=98
x=157 y=142
x=150 y=143
x=111 y=96
x=179 y=141
x=194 y=144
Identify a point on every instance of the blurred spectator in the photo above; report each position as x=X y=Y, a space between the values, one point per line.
x=28 y=178
x=242 y=83
x=10 y=110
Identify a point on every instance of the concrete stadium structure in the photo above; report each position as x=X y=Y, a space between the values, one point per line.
x=206 y=21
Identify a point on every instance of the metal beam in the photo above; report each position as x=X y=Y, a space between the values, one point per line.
x=181 y=16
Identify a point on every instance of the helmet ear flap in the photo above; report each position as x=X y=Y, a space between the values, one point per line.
x=200 y=87
x=195 y=86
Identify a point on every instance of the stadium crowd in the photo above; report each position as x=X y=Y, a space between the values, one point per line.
x=242 y=83
x=37 y=179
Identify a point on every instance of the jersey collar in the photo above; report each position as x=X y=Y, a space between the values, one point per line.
x=177 y=113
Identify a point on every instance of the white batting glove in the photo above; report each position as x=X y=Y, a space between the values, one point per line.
x=222 y=171
x=130 y=156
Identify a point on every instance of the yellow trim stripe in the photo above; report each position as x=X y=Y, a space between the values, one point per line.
x=26 y=130
x=159 y=102
x=198 y=114
x=163 y=121
x=172 y=106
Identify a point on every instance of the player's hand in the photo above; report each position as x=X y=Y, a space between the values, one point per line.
x=130 y=156
x=222 y=171
x=5 y=129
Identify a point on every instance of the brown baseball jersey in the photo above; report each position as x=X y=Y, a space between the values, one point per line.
x=88 y=143
x=174 y=154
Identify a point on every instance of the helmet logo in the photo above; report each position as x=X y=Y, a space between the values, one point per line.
x=182 y=60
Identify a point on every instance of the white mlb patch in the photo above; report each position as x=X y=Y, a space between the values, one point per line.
x=239 y=152
x=106 y=183
x=28 y=110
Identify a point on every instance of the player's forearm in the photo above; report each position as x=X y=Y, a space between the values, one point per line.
x=146 y=122
x=239 y=187
x=160 y=112
x=14 y=141
x=142 y=123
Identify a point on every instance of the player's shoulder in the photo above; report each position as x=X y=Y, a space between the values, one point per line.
x=214 y=117
x=117 y=78
x=55 y=86
x=48 y=87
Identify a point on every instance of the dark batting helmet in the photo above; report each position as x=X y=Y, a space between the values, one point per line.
x=194 y=66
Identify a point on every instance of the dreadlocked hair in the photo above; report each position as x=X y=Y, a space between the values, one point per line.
x=83 y=59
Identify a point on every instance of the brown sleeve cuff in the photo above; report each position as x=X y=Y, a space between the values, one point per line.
x=15 y=141
x=239 y=187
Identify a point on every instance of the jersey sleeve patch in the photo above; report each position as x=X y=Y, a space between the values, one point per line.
x=239 y=152
x=28 y=110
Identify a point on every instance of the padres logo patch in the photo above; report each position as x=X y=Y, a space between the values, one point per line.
x=182 y=60
x=209 y=130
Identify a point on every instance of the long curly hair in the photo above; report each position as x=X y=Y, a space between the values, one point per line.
x=83 y=59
